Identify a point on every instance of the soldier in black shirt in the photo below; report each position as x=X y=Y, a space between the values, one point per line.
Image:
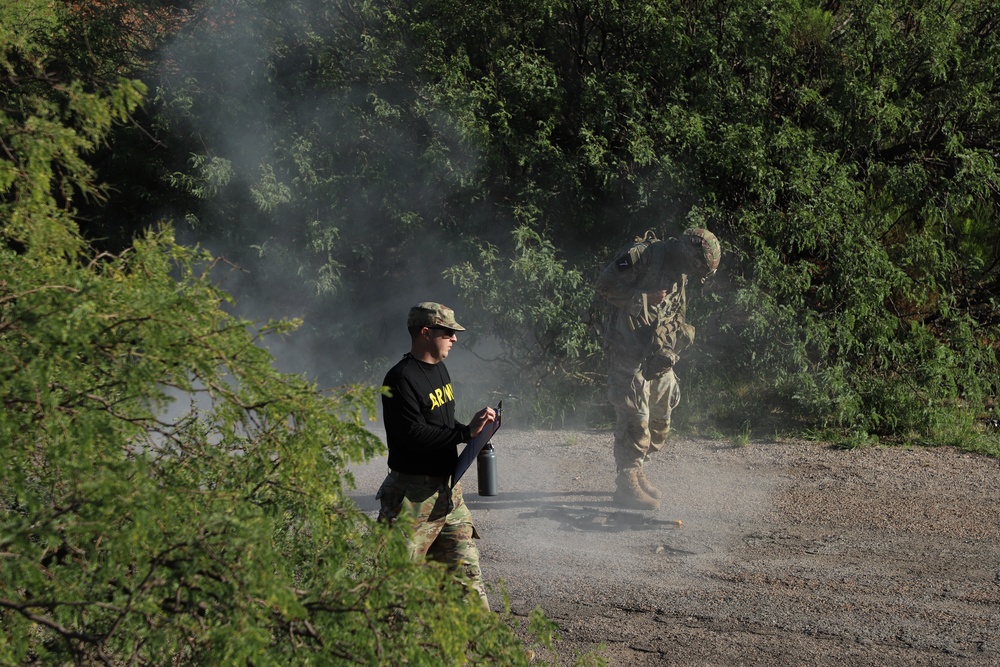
x=422 y=436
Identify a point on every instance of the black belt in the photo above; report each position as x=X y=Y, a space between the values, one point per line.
x=426 y=479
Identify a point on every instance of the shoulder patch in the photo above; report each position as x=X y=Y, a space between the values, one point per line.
x=624 y=262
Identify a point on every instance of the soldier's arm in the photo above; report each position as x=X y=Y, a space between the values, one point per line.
x=617 y=281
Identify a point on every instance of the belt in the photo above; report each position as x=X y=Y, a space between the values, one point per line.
x=426 y=479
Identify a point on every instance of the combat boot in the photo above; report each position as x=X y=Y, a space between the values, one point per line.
x=629 y=494
x=646 y=485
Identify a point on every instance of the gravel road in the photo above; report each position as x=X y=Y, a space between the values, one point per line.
x=788 y=553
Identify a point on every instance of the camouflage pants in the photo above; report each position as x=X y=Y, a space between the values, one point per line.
x=439 y=523
x=642 y=410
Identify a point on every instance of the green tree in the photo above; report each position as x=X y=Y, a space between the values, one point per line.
x=856 y=151
x=843 y=151
x=534 y=309
x=369 y=141
x=166 y=494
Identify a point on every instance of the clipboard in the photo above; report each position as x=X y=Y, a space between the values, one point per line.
x=476 y=445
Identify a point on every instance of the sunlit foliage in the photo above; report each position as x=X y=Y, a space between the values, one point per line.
x=166 y=495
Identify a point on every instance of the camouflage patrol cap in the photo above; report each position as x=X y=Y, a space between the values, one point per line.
x=430 y=314
x=703 y=249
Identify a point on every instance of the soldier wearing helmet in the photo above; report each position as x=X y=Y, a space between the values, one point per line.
x=644 y=288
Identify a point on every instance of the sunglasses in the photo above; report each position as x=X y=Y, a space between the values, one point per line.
x=445 y=331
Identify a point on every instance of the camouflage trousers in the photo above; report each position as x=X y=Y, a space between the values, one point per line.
x=642 y=410
x=438 y=521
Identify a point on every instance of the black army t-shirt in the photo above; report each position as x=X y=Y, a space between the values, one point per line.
x=420 y=427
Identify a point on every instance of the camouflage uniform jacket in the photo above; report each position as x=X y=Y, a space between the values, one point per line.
x=636 y=329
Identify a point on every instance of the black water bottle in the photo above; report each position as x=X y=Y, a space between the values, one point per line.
x=486 y=466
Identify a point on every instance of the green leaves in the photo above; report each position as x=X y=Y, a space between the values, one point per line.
x=536 y=307
x=843 y=189
x=840 y=152
x=48 y=125
x=165 y=490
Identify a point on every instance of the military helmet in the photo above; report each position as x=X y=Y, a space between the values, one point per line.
x=702 y=249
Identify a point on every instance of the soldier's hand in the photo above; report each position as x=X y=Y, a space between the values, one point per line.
x=685 y=337
x=656 y=365
x=485 y=416
x=656 y=297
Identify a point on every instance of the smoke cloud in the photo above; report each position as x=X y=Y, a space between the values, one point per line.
x=306 y=245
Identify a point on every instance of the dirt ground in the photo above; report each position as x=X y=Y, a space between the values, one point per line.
x=788 y=553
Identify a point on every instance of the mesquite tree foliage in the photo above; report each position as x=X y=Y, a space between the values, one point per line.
x=350 y=152
x=166 y=495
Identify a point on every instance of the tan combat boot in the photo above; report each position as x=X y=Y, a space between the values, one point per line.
x=646 y=485
x=629 y=494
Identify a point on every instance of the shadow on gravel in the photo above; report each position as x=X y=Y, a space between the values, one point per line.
x=532 y=499
x=595 y=519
